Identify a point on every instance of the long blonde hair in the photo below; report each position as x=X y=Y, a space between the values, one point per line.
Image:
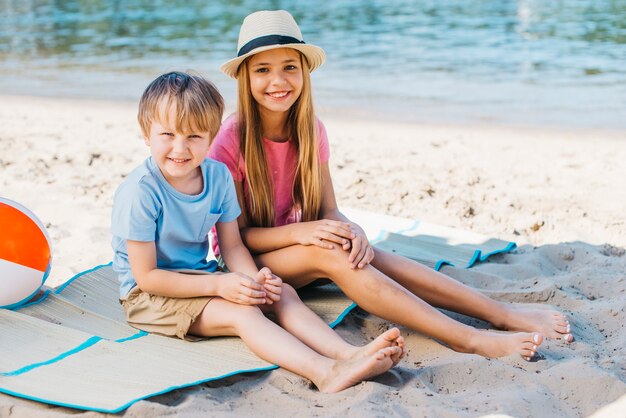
x=307 y=187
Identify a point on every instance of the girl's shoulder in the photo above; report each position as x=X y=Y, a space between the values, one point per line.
x=230 y=127
x=228 y=135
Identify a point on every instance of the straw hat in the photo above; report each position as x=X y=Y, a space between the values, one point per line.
x=265 y=30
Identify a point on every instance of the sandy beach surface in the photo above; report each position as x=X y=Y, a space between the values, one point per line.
x=559 y=193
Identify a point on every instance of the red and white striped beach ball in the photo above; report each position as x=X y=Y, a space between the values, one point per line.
x=24 y=254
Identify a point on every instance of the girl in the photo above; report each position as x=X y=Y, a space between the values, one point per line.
x=277 y=152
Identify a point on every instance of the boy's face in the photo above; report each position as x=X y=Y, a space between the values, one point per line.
x=178 y=155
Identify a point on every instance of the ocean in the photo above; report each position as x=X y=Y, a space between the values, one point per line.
x=526 y=62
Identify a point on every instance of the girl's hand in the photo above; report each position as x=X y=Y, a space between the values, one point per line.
x=362 y=252
x=241 y=289
x=272 y=284
x=324 y=233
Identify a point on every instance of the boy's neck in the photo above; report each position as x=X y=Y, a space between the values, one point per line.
x=191 y=185
x=274 y=126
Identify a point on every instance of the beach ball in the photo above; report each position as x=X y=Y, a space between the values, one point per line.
x=24 y=254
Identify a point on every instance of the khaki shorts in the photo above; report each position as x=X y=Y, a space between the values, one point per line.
x=163 y=315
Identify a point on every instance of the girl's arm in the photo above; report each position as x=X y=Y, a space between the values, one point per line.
x=324 y=233
x=235 y=287
x=329 y=202
x=361 y=252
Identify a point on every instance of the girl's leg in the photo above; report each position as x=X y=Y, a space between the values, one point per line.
x=275 y=345
x=444 y=292
x=300 y=321
x=381 y=296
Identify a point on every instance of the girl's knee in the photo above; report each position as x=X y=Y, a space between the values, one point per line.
x=288 y=293
x=337 y=264
x=288 y=296
x=330 y=262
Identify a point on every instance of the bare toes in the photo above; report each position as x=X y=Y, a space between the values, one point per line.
x=565 y=333
x=392 y=334
x=400 y=342
x=395 y=358
x=386 y=352
x=562 y=329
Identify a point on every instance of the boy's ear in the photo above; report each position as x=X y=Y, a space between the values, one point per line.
x=146 y=140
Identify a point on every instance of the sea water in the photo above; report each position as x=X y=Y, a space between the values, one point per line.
x=492 y=61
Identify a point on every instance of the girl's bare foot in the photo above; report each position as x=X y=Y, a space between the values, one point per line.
x=549 y=322
x=389 y=338
x=493 y=344
x=346 y=373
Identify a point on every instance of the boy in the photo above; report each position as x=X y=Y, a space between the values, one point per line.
x=162 y=214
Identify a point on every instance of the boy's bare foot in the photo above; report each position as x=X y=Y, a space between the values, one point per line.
x=389 y=338
x=548 y=322
x=346 y=373
x=493 y=344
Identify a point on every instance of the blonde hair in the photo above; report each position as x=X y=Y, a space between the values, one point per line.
x=307 y=187
x=199 y=105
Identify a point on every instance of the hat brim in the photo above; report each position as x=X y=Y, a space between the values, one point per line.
x=314 y=55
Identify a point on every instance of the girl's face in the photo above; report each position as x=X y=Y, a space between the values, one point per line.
x=276 y=79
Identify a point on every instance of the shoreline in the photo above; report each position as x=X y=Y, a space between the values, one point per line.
x=359 y=115
x=356 y=109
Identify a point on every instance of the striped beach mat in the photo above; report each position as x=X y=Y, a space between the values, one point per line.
x=77 y=335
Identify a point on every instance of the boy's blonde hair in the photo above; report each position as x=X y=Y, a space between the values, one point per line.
x=199 y=105
x=307 y=187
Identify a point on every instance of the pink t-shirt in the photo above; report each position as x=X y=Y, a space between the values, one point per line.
x=282 y=161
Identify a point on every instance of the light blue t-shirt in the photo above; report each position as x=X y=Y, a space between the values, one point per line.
x=147 y=208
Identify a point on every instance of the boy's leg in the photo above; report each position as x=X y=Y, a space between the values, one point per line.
x=275 y=345
x=381 y=296
x=444 y=292
x=303 y=323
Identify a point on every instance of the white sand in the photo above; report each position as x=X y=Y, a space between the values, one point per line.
x=563 y=193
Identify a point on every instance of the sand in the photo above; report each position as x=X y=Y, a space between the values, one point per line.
x=559 y=193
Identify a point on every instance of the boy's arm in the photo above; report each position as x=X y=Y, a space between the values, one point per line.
x=235 y=287
x=238 y=259
x=235 y=254
x=143 y=264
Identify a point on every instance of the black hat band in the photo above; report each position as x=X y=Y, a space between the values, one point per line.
x=266 y=41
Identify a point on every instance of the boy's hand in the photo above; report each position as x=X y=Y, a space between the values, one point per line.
x=272 y=284
x=239 y=288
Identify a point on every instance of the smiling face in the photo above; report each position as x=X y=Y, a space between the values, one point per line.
x=276 y=79
x=178 y=154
